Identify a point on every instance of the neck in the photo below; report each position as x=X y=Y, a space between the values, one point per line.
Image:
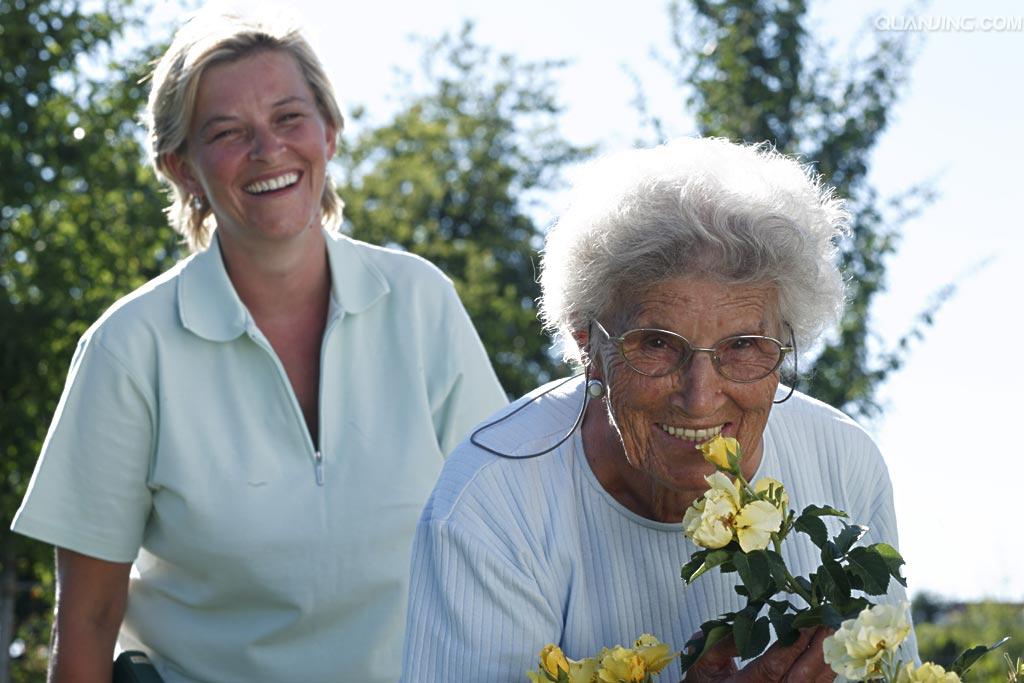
x=272 y=281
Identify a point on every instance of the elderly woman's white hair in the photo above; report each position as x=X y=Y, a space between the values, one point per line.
x=701 y=207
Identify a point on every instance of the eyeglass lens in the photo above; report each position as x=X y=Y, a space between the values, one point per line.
x=743 y=358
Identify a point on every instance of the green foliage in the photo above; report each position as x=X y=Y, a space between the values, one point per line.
x=449 y=178
x=80 y=225
x=753 y=72
x=830 y=594
x=944 y=631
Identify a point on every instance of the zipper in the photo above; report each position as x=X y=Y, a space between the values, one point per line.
x=318 y=457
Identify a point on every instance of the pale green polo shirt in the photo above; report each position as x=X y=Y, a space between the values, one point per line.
x=178 y=444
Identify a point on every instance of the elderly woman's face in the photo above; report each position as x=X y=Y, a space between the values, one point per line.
x=660 y=420
x=258 y=148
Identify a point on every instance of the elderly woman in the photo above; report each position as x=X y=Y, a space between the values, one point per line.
x=234 y=473
x=680 y=277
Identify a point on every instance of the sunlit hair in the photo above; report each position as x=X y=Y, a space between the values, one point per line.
x=215 y=37
x=702 y=207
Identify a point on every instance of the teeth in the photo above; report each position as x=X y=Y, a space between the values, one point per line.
x=692 y=434
x=277 y=183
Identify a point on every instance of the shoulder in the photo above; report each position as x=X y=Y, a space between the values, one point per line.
x=488 y=480
x=819 y=437
x=149 y=312
x=399 y=268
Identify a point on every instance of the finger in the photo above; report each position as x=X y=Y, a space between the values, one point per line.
x=776 y=662
x=811 y=666
x=717 y=664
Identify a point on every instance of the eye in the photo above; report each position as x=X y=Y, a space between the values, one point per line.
x=223 y=134
x=741 y=344
x=290 y=117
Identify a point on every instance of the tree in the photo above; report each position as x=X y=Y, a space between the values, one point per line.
x=450 y=177
x=753 y=72
x=944 y=630
x=80 y=225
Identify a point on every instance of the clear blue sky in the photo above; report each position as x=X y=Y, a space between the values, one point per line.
x=952 y=429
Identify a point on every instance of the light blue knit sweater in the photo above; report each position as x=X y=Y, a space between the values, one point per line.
x=511 y=555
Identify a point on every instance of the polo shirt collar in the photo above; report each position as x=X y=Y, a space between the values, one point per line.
x=209 y=306
x=356 y=283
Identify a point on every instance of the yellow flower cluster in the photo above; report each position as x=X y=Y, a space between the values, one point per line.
x=926 y=673
x=717 y=518
x=647 y=657
x=862 y=647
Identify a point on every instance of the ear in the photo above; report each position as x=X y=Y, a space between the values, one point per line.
x=332 y=140
x=582 y=339
x=180 y=169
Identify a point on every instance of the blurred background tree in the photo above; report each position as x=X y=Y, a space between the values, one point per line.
x=80 y=225
x=750 y=70
x=451 y=177
x=946 y=629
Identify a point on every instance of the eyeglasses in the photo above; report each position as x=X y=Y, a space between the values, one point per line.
x=656 y=353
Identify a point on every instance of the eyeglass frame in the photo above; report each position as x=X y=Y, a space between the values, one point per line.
x=713 y=351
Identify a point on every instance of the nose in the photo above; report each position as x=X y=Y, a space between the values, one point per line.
x=698 y=391
x=265 y=144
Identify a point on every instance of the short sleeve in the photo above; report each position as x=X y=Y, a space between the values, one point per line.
x=474 y=391
x=89 y=490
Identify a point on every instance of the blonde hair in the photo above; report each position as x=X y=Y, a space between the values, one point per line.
x=206 y=39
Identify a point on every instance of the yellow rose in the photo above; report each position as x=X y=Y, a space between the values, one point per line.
x=772 y=488
x=655 y=654
x=708 y=522
x=619 y=664
x=755 y=524
x=553 y=660
x=857 y=648
x=716 y=450
x=582 y=671
x=927 y=673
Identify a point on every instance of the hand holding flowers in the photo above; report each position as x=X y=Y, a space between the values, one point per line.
x=741 y=528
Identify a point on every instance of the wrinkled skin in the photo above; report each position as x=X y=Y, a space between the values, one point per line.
x=651 y=472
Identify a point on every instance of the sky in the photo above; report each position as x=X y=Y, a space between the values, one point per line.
x=952 y=430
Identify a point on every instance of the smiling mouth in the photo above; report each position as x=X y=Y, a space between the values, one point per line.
x=697 y=435
x=279 y=183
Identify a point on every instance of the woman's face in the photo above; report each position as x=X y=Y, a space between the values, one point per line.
x=257 y=149
x=657 y=418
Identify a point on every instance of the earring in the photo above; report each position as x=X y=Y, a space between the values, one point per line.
x=595 y=388
x=197 y=203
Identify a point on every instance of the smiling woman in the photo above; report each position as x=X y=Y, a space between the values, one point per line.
x=682 y=278
x=227 y=436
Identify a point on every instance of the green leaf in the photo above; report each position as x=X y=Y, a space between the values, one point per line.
x=813 y=527
x=871 y=570
x=969 y=658
x=756 y=573
x=817 y=616
x=751 y=634
x=832 y=582
x=782 y=622
x=850 y=534
x=893 y=560
x=778 y=567
x=703 y=561
x=710 y=633
x=822 y=511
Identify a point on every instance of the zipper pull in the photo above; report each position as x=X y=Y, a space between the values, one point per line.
x=319 y=466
